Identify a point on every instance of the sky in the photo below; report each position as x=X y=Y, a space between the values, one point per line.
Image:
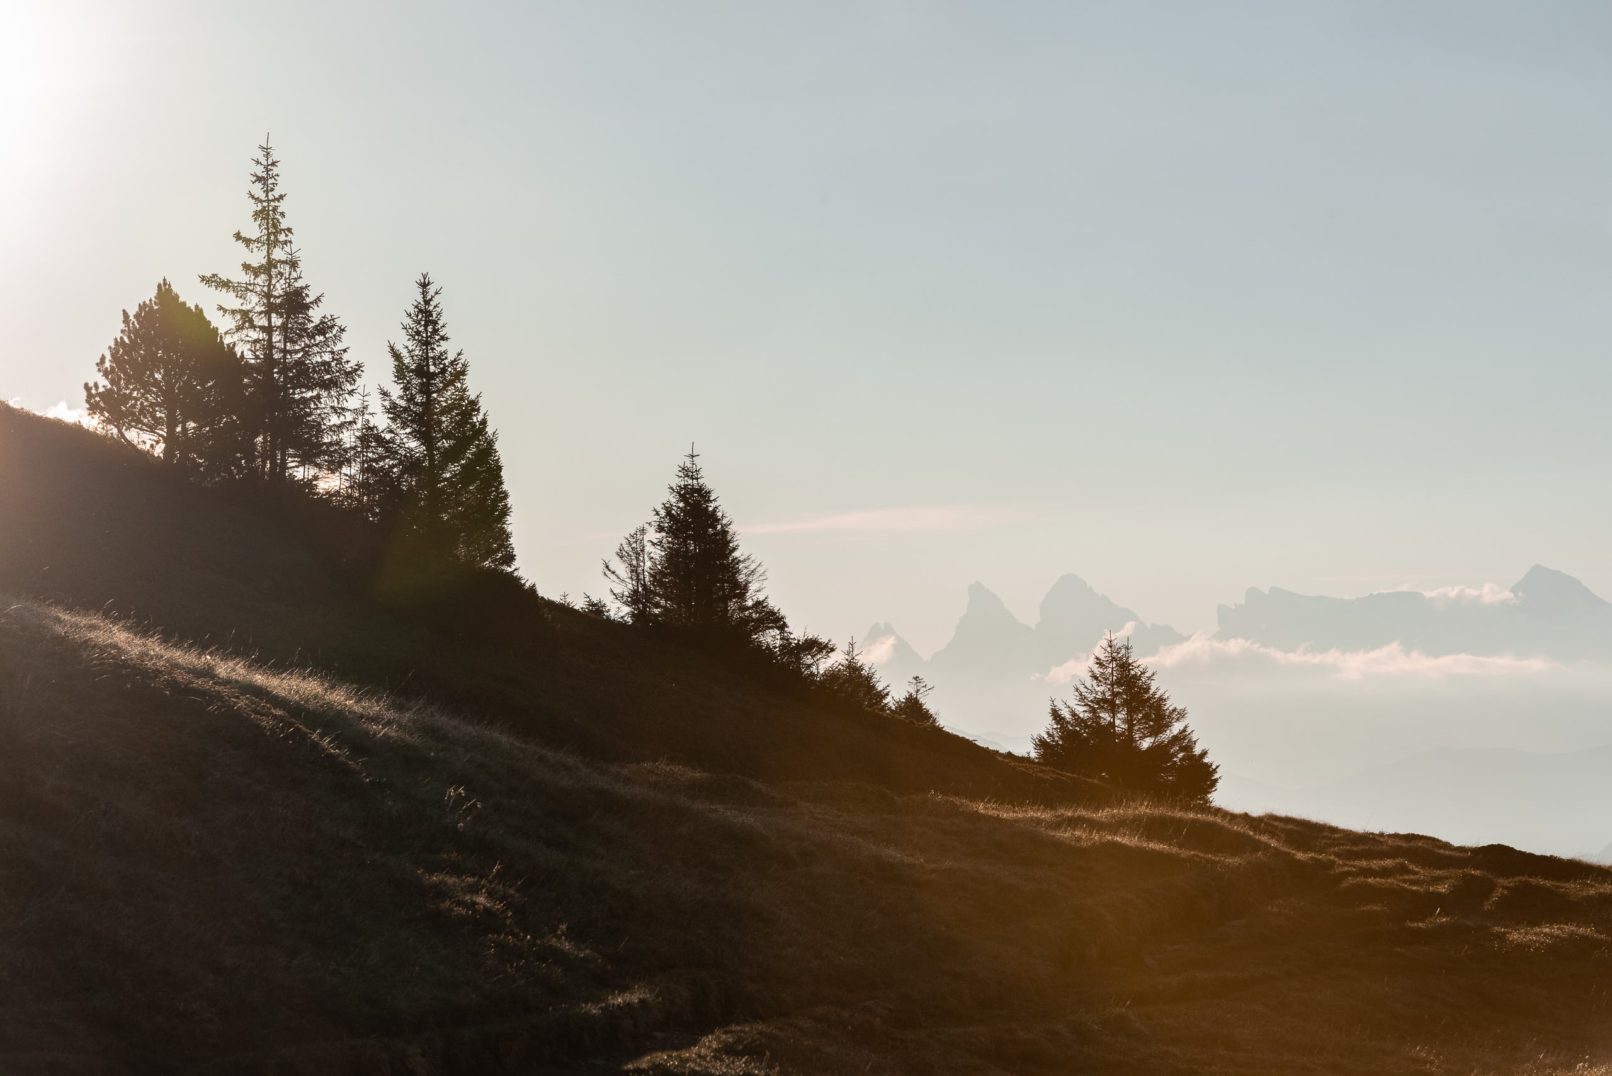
x=1184 y=298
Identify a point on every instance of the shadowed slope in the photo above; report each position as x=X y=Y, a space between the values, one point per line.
x=225 y=861
x=212 y=864
x=89 y=524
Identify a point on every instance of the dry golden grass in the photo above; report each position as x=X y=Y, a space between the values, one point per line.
x=207 y=864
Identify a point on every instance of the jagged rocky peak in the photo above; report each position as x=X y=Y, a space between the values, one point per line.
x=883 y=647
x=983 y=601
x=987 y=632
x=1074 y=614
x=986 y=613
x=1069 y=593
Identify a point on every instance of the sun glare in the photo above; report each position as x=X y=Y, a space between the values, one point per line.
x=45 y=75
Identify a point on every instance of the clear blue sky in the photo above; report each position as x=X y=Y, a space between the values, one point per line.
x=1180 y=297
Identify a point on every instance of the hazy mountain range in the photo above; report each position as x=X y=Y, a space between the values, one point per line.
x=1546 y=613
x=1452 y=735
x=991 y=644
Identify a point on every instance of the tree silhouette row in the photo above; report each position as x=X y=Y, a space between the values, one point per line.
x=274 y=399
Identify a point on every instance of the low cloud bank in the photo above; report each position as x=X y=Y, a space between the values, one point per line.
x=1487 y=594
x=1393 y=660
x=1203 y=654
x=1076 y=666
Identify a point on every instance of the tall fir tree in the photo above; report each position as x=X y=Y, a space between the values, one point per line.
x=686 y=571
x=299 y=379
x=444 y=452
x=169 y=382
x=1121 y=727
x=698 y=576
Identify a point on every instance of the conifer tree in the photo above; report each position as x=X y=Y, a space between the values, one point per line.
x=698 y=576
x=299 y=379
x=169 y=382
x=854 y=681
x=802 y=654
x=370 y=481
x=628 y=576
x=1122 y=728
x=444 y=453
x=914 y=705
x=686 y=571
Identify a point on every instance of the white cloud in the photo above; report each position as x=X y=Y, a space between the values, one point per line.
x=60 y=410
x=1392 y=660
x=1077 y=665
x=935 y=517
x=879 y=650
x=1487 y=594
x=67 y=413
x=1201 y=652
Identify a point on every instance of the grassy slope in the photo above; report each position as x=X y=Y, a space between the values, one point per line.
x=87 y=524
x=208 y=864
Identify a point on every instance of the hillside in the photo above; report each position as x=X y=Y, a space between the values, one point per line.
x=227 y=849
x=90 y=525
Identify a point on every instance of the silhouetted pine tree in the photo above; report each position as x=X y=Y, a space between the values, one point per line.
x=698 y=577
x=914 y=705
x=370 y=481
x=596 y=607
x=802 y=654
x=854 y=681
x=171 y=382
x=1122 y=728
x=628 y=576
x=298 y=376
x=444 y=453
x=685 y=570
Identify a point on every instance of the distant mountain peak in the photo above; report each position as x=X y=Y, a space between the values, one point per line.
x=987 y=631
x=1069 y=593
x=1547 y=589
x=982 y=600
x=883 y=647
x=1069 y=582
x=990 y=641
x=1547 y=613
